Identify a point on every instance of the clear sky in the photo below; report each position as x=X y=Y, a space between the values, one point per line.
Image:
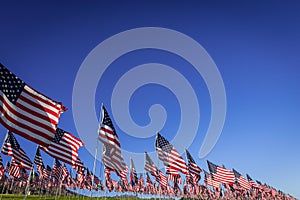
x=254 y=44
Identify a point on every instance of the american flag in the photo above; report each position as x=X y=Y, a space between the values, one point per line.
x=209 y=180
x=1 y=168
x=12 y=148
x=150 y=166
x=64 y=147
x=133 y=174
x=168 y=154
x=108 y=181
x=163 y=181
x=57 y=170
x=221 y=174
x=112 y=157
x=148 y=179
x=79 y=167
x=251 y=182
x=25 y=111
x=241 y=180
x=13 y=169
x=193 y=168
x=38 y=157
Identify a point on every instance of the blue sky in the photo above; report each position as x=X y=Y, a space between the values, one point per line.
x=255 y=45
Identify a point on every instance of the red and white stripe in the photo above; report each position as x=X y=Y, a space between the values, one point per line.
x=65 y=150
x=33 y=116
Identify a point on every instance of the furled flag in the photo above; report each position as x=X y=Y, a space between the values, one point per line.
x=38 y=158
x=241 y=180
x=64 y=147
x=133 y=174
x=170 y=157
x=221 y=174
x=25 y=111
x=112 y=157
x=193 y=168
x=12 y=148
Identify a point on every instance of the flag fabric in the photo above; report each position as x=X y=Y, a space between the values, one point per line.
x=57 y=170
x=64 y=147
x=112 y=157
x=241 y=180
x=169 y=156
x=38 y=157
x=133 y=174
x=210 y=181
x=79 y=167
x=193 y=169
x=1 y=168
x=163 y=181
x=25 y=111
x=13 y=169
x=251 y=182
x=12 y=148
x=221 y=174
x=150 y=166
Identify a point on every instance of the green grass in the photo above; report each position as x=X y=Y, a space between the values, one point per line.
x=31 y=197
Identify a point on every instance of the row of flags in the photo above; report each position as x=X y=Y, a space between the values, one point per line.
x=34 y=116
x=175 y=165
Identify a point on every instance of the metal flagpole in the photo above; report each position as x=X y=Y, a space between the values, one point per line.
x=28 y=181
x=96 y=152
x=94 y=168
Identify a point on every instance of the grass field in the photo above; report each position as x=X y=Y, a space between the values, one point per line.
x=31 y=197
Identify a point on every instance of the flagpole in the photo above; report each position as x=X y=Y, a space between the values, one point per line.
x=28 y=181
x=94 y=168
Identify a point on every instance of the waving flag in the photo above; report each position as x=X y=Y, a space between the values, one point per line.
x=251 y=182
x=12 y=148
x=25 y=111
x=241 y=180
x=112 y=157
x=221 y=174
x=38 y=157
x=170 y=157
x=64 y=147
x=133 y=174
x=13 y=169
x=193 y=168
x=209 y=180
x=1 y=168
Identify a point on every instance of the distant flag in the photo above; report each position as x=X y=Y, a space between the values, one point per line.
x=170 y=157
x=150 y=166
x=251 y=182
x=209 y=180
x=79 y=167
x=163 y=181
x=25 y=111
x=64 y=147
x=193 y=168
x=241 y=180
x=38 y=157
x=221 y=174
x=133 y=174
x=12 y=148
x=13 y=169
x=57 y=170
x=112 y=157
x=148 y=179
x=1 y=168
